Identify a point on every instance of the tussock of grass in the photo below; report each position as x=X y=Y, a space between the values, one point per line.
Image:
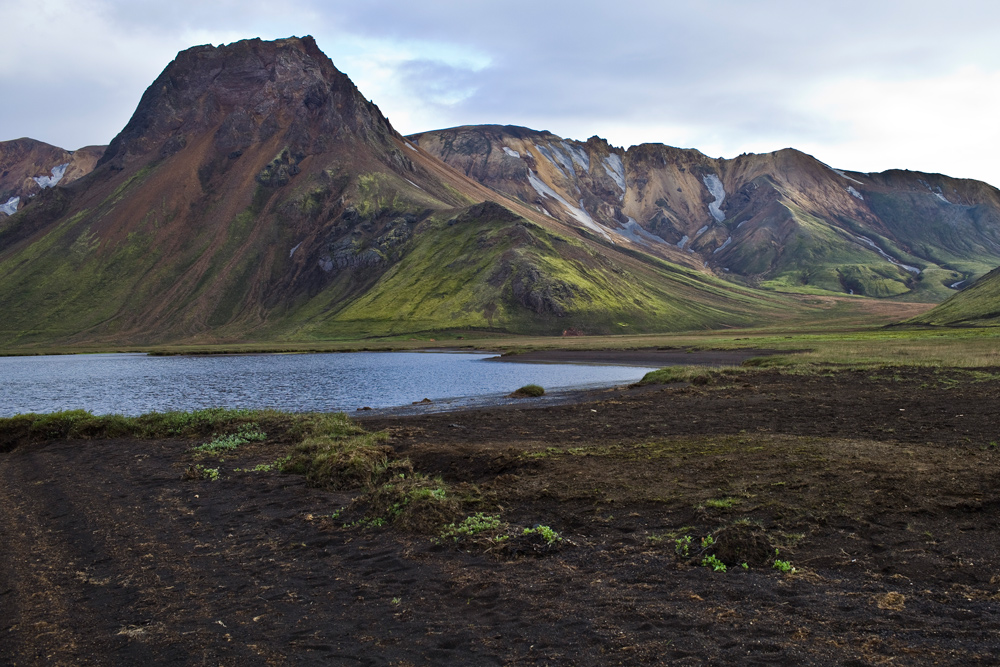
x=697 y=375
x=529 y=391
x=336 y=453
x=358 y=461
x=414 y=502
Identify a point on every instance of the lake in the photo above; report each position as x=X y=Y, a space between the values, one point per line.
x=133 y=384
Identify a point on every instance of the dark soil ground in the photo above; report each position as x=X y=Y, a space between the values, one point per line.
x=882 y=489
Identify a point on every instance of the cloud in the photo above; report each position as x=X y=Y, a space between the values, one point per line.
x=862 y=84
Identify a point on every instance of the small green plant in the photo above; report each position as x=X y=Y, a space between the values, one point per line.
x=722 y=503
x=469 y=526
x=529 y=391
x=397 y=601
x=682 y=546
x=782 y=566
x=707 y=542
x=267 y=467
x=247 y=433
x=550 y=536
x=714 y=563
x=201 y=472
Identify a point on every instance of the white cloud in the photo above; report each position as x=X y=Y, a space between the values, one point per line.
x=864 y=85
x=943 y=123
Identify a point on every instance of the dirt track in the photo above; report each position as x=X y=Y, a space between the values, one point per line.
x=882 y=488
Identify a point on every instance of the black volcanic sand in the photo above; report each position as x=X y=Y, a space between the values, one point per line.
x=881 y=488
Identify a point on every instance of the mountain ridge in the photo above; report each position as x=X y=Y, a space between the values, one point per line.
x=257 y=195
x=783 y=220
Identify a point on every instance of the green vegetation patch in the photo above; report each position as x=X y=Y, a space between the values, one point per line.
x=529 y=391
x=249 y=432
x=85 y=425
x=336 y=453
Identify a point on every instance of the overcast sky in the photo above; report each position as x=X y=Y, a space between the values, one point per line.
x=867 y=86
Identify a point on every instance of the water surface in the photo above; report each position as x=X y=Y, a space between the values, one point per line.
x=134 y=384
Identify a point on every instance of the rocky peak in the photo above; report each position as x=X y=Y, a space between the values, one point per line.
x=245 y=93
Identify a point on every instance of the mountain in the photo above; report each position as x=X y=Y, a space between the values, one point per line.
x=255 y=194
x=780 y=220
x=27 y=167
x=976 y=305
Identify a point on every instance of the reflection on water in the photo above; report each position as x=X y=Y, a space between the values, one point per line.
x=133 y=384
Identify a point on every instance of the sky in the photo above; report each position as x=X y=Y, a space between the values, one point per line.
x=865 y=86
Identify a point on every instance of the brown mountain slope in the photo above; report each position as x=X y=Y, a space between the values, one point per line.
x=257 y=195
x=28 y=166
x=783 y=220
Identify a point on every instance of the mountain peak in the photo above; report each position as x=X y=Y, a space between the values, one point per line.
x=244 y=93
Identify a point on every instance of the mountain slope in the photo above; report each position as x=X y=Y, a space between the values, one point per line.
x=257 y=195
x=976 y=305
x=781 y=220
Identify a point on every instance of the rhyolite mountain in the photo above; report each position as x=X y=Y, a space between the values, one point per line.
x=780 y=220
x=28 y=166
x=256 y=195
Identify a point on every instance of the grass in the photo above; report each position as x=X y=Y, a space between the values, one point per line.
x=336 y=453
x=529 y=391
x=248 y=432
x=83 y=424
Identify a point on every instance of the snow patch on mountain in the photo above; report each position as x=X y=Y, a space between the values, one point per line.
x=633 y=231
x=723 y=246
x=562 y=162
x=855 y=193
x=841 y=173
x=684 y=239
x=511 y=152
x=53 y=180
x=887 y=256
x=715 y=188
x=10 y=208
x=616 y=170
x=579 y=213
x=294 y=249
x=937 y=192
x=579 y=156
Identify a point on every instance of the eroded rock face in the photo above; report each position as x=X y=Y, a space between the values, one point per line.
x=784 y=216
x=359 y=243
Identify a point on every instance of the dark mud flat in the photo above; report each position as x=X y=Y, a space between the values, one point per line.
x=881 y=488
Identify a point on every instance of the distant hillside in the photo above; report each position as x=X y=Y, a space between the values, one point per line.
x=781 y=220
x=27 y=167
x=976 y=305
x=255 y=194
